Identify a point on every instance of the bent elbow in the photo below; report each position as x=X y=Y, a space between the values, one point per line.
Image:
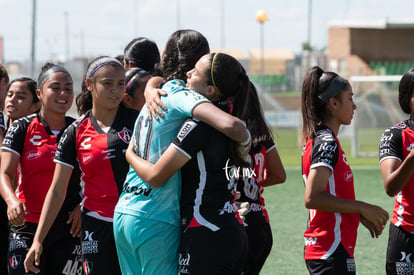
x=390 y=192
x=281 y=177
x=312 y=202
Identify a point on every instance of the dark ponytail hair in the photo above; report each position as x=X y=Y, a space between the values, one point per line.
x=229 y=78
x=84 y=99
x=405 y=91
x=182 y=51
x=143 y=53
x=318 y=86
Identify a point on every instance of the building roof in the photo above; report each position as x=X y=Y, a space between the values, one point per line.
x=283 y=54
x=373 y=24
x=236 y=53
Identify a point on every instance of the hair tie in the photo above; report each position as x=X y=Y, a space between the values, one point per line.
x=140 y=72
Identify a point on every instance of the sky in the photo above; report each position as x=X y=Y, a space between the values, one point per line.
x=75 y=28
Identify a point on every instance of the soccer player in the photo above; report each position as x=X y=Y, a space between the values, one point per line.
x=213 y=240
x=97 y=141
x=28 y=148
x=135 y=79
x=4 y=241
x=396 y=156
x=154 y=213
x=334 y=214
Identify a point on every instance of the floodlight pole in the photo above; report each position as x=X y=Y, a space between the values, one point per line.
x=223 y=37
x=261 y=17
x=33 y=51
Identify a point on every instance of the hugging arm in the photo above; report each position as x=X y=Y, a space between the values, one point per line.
x=157 y=174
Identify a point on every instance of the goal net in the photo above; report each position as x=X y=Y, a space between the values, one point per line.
x=376 y=98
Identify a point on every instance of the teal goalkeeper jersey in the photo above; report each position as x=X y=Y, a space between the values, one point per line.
x=152 y=138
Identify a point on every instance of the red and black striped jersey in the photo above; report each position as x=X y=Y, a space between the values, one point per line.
x=101 y=157
x=397 y=142
x=326 y=230
x=32 y=140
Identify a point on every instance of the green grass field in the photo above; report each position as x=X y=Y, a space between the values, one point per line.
x=288 y=215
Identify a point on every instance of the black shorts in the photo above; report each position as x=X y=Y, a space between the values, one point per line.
x=203 y=251
x=61 y=252
x=4 y=238
x=338 y=263
x=98 y=247
x=400 y=251
x=260 y=245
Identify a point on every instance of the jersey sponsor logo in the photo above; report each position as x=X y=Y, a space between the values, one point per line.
x=87 y=158
x=405 y=257
x=310 y=241
x=7 y=141
x=15 y=261
x=405 y=265
x=35 y=140
x=384 y=152
x=77 y=250
x=12 y=129
x=108 y=154
x=125 y=135
x=89 y=245
x=84 y=144
x=409 y=148
x=18 y=241
x=385 y=139
x=186 y=129
x=137 y=190
x=32 y=155
x=255 y=207
x=229 y=207
x=348 y=176
x=350 y=265
x=196 y=96
x=183 y=263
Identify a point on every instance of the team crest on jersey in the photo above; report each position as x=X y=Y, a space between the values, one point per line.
x=401 y=125
x=14 y=261
x=125 y=135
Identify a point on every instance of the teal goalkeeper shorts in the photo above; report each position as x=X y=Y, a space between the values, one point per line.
x=146 y=246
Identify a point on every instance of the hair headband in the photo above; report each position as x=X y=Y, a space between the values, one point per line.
x=55 y=69
x=139 y=72
x=98 y=64
x=212 y=73
x=334 y=88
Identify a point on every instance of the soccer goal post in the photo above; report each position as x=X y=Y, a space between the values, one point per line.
x=376 y=98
